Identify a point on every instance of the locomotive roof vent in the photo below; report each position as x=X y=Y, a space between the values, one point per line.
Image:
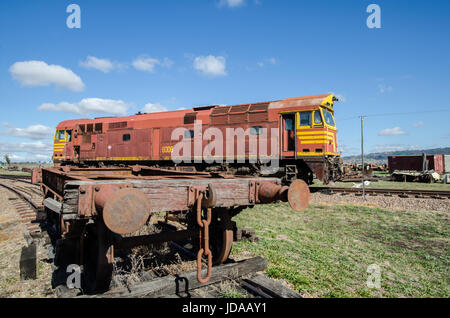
x=189 y=118
x=200 y=108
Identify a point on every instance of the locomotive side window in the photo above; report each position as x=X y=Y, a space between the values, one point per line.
x=98 y=127
x=289 y=124
x=256 y=130
x=69 y=136
x=317 y=117
x=126 y=137
x=189 y=134
x=305 y=118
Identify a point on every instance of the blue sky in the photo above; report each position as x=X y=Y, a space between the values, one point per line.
x=153 y=55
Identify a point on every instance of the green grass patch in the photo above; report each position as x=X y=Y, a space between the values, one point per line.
x=231 y=292
x=6 y=172
x=325 y=251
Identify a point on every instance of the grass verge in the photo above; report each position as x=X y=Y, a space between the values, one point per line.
x=325 y=251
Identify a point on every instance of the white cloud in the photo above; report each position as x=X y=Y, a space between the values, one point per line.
x=231 y=3
x=419 y=124
x=154 y=108
x=148 y=64
x=345 y=149
x=166 y=62
x=104 y=65
x=396 y=131
x=28 y=157
x=89 y=106
x=32 y=132
x=39 y=73
x=394 y=147
x=270 y=60
x=211 y=65
x=383 y=88
x=37 y=147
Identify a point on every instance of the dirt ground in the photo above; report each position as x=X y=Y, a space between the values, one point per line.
x=11 y=242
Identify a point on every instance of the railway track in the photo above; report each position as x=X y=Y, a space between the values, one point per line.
x=402 y=193
x=240 y=276
x=28 y=203
x=14 y=177
x=23 y=179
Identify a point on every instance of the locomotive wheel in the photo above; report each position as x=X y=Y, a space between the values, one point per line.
x=98 y=257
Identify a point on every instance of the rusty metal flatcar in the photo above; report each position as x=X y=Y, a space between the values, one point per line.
x=93 y=212
x=303 y=127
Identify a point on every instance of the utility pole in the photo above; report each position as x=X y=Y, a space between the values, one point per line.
x=362 y=156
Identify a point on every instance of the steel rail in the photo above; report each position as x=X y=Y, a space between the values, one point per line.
x=22 y=195
x=400 y=192
x=14 y=177
x=24 y=179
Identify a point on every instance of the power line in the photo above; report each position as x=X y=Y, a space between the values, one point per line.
x=397 y=114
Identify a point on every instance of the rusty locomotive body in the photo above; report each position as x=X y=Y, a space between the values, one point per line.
x=299 y=132
x=112 y=174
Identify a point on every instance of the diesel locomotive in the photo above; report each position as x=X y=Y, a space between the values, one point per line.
x=304 y=130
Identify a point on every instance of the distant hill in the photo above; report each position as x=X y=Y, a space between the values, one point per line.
x=381 y=157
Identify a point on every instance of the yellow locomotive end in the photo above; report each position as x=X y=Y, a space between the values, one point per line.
x=59 y=145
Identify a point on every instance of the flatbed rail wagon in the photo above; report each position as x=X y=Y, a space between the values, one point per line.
x=93 y=212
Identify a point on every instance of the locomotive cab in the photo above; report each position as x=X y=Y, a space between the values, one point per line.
x=308 y=132
x=317 y=133
x=62 y=146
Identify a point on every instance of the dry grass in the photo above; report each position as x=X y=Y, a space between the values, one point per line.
x=144 y=262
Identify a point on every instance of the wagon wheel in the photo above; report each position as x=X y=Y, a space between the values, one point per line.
x=98 y=257
x=220 y=235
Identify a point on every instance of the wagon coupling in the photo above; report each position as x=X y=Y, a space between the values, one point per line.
x=297 y=194
x=203 y=237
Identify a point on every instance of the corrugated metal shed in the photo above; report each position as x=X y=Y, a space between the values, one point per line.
x=447 y=163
